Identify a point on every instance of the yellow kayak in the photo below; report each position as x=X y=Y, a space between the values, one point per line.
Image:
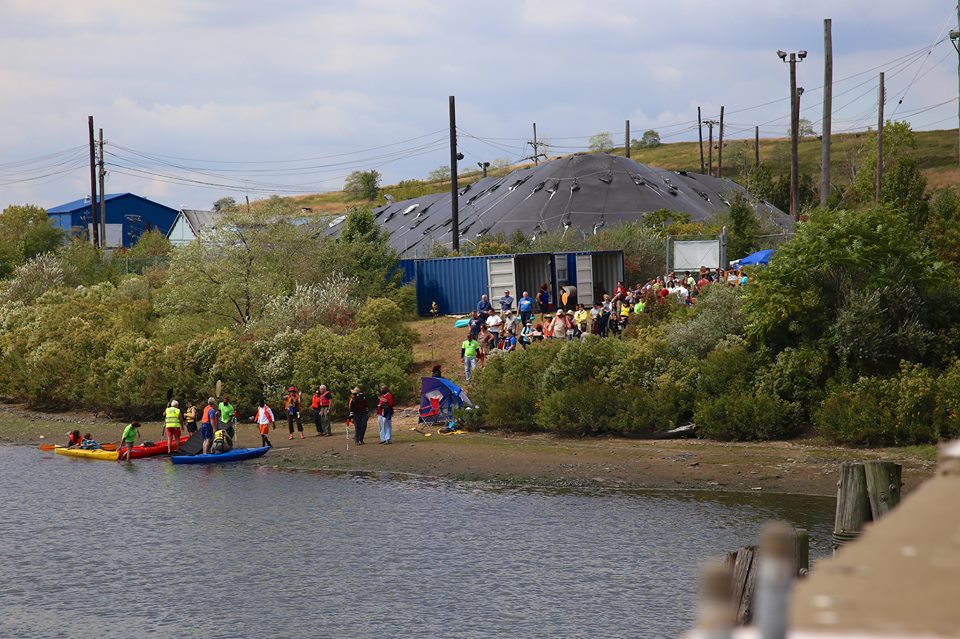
x=105 y=455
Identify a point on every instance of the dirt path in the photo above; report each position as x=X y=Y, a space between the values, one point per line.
x=792 y=467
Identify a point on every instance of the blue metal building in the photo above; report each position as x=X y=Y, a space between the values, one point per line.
x=455 y=284
x=128 y=217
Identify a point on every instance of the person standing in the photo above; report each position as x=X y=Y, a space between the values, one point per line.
x=494 y=325
x=484 y=306
x=468 y=354
x=265 y=421
x=190 y=418
x=227 y=413
x=292 y=405
x=130 y=435
x=385 y=415
x=208 y=423
x=358 y=410
x=171 y=422
x=525 y=306
x=506 y=302
x=323 y=399
x=543 y=298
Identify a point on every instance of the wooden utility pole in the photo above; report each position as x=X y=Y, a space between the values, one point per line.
x=94 y=231
x=536 y=153
x=827 y=110
x=102 y=174
x=880 y=99
x=710 y=124
x=756 y=146
x=794 y=141
x=700 y=131
x=454 y=194
x=626 y=137
x=720 y=147
x=955 y=39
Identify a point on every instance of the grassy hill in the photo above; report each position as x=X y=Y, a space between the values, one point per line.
x=936 y=154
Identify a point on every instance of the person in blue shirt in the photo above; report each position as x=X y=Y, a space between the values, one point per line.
x=506 y=302
x=484 y=306
x=510 y=342
x=525 y=305
x=543 y=298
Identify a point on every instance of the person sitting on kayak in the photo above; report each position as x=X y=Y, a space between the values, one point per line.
x=222 y=442
x=88 y=443
x=74 y=439
x=130 y=434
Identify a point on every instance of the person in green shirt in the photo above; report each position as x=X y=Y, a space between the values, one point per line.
x=227 y=411
x=468 y=354
x=130 y=434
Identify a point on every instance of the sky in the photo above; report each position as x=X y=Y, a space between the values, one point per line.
x=201 y=99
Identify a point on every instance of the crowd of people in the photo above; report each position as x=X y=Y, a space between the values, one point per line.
x=492 y=332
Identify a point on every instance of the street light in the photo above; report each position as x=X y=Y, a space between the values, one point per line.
x=792 y=60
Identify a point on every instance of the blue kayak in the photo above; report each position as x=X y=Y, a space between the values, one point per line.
x=237 y=454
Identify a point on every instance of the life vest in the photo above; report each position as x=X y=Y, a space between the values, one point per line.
x=172 y=417
x=220 y=436
x=191 y=414
x=208 y=414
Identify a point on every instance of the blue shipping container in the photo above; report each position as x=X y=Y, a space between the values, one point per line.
x=454 y=283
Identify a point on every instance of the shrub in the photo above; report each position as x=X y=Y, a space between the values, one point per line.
x=34 y=278
x=741 y=417
x=591 y=359
x=507 y=391
x=717 y=315
x=796 y=375
x=588 y=408
x=948 y=400
x=385 y=318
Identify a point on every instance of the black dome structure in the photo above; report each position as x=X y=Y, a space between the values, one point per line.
x=579 y=194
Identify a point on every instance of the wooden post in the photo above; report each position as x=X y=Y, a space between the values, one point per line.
x=700 y=131
x=794 y=141
x=853 y=505
x=775 y=576
x=715 y=612
x=720 y=147
x=536 y=154
x=454 y=195
x=94 y=230
x=756 y=146
x=883 y=486
x=743 y=569
x=710 y=148
x=626 y=135
x=102 y=174
x=880 y=99
x=827 y=110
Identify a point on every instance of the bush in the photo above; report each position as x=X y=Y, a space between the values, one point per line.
x=740 y=417
x=588 y=408
x=796 y=375
x=591 y=359
x=717 y=315
x=876 y=411
x=508 y=390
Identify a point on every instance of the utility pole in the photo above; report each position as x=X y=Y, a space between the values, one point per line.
x=756 y=146
x=483 y=167
x=626 y=137
x=700 y=131
x=794 y=131
x=827 y=110
x=454 y=194
x=103 y=196
x=710 y=124
x=536 y=151
x=94 y=231
x=955 y=39
x=880 y=99
x=720 y=147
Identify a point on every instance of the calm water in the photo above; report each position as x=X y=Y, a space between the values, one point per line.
x=94 y=549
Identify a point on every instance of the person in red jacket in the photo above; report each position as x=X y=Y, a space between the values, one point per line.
x=385 y=415
x=320 y=403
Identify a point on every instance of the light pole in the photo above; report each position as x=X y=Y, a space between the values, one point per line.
x=792 y=60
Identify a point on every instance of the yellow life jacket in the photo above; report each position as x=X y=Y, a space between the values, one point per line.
x=220 y=436
x=172 y=417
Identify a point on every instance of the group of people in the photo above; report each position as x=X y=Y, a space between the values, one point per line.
x=358 y=412
x=490 y=331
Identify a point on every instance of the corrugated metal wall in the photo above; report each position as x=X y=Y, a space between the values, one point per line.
x=454 y=283
x=533 y=270
x=408 y=270
x=607 y=271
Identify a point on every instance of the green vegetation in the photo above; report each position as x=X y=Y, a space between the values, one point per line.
x=260 y=304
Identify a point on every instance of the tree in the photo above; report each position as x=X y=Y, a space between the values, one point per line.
x=743 y=228
x=501 y=165
x=650 y=139
x=805 y=129
x=898 y=138
x=25 y=232
x=364 y=246
x=225 y=204
x=439 y=174
x=905 y=187
x=601 y=142
x=363 y=185
x=152 y=244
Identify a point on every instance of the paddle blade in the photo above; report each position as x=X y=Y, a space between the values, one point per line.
x=47 y=446
x=219 y=388
x=109 y=447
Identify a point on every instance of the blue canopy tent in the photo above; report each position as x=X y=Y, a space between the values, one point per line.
x=438 y=399
x=761 y=258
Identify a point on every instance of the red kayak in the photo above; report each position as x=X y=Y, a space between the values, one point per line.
x=148 y=449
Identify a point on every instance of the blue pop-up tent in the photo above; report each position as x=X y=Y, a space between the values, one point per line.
x=758 y=258
x=438 y=399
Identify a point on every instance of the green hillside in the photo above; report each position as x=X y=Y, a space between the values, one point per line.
x=936 y=154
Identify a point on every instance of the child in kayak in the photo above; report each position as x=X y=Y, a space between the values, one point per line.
x=88 y=443
x=130 y=434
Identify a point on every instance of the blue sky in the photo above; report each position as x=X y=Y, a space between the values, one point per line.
x=205 y=98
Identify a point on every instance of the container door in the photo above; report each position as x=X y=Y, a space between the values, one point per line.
x=585 y=280
x=501 y=276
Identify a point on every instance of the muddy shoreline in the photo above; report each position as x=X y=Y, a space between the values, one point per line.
x=799 y=467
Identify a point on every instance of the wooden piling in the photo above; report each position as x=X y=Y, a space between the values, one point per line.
x=883 y=486
x=853 y=505
x=802 y=552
